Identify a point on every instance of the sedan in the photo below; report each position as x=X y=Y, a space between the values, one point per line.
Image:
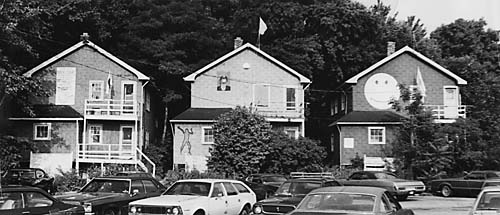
x=487 y=202
x=469 y=185
x=351 y=200
x=17 y=200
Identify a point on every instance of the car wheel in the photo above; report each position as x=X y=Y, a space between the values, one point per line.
x=446 y=191
x=245 y=211
x=110 y=212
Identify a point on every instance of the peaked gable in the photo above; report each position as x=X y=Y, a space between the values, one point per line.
x=77 y=47
x=193 y=76
x=354 y=79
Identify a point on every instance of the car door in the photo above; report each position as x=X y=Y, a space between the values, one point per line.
x=11 y=203
x=233 y=199
x=475 y=183
x=217 y=203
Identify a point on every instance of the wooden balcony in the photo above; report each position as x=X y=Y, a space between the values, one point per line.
x=296 y=113
x=111 y=109
x=443 y=113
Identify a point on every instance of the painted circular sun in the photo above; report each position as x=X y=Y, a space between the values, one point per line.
x=380 y=90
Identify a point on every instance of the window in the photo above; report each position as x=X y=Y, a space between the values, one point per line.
x=261 y=95
x=150 y=186
x=137 y=186
x=96 y=90
x=241 y=188
x=231 y=191
x=376 y=135
x=223 y=83
x=37 y=200
x=334 y=108
x=217 y=191
x=208 y=135
x=292 y=132
x=290 y=98
x=42 y=131
x=95 y=134
x=10 y=201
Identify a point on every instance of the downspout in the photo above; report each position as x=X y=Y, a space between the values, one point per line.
x=141 y=124
x=173 y=141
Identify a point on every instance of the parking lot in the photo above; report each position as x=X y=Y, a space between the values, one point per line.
x=434 y=205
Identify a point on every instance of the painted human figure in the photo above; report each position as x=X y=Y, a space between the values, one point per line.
x=185 y=142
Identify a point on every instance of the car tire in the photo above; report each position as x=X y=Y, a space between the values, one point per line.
x=245 y=211
x=200 y=212
x=110 y=212
x=446 y=191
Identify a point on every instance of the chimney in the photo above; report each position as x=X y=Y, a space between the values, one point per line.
x=391 y=47
x=85 y=37
x=238 y=42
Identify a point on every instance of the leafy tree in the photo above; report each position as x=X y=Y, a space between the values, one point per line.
x=11 y=151
x=288 y=155
x=241 y=142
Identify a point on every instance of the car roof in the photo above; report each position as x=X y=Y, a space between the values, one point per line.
x=6 y=188
x=491 y=188
x=124 y=177
x=353 y=189
x=267 y=174
x=311 y=179
x=208 y=180
x=24 y=169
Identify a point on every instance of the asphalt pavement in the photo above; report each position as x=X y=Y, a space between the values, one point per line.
x=436 y=205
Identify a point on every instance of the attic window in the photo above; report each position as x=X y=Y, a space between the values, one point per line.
x=223 y=83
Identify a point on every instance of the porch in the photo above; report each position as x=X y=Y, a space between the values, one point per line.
x=444 y=113
x=111 y=109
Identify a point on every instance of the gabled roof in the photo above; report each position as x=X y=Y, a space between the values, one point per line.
x=193 y=76
x=355 y=78
x=76 y=47
x=200 y=114
x=369 y=117
x=51 y=111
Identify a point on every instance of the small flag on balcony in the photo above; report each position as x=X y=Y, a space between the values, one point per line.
x=420 y=83
x=262 y=26
x=109 y=83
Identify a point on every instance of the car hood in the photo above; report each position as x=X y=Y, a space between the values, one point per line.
x=167 y=200
x=88 y=197
x=283 y=200
x=298 y=212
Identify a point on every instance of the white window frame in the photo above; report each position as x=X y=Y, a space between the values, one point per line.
x=268 y=95
x=294 y=107
x=91 y=89
x=295 y=129
x=90 y=135
x=39 y=125
x=203 y=128
x=383 y=135
x=134 y=94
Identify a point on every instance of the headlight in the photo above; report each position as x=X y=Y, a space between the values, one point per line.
x=133 y=209
x=175 y=211
x=87 y=207
x=257 y=210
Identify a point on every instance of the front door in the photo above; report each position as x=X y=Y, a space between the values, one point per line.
x=451 y=102
x=126 y=140
x=128 y=97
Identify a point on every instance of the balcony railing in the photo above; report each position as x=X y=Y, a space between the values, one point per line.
x=447 y=112
x=296 y=112
x=110 y=108
x=106 y=152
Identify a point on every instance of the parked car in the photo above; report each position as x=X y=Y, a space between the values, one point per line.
x=400 y=188
x=350 y=200
x=197 y=197
x=29 y=177
x=468 y=185
x=487 y=202
x=21 y=200
x=290 y=193
x=111 y=195
x=134 y=173
x=264 y=184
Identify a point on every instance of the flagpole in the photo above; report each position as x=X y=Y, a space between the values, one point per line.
x=258 y=40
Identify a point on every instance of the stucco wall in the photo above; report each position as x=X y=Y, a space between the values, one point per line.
x=196 y=156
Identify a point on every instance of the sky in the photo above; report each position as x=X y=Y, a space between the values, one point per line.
x=434 y=13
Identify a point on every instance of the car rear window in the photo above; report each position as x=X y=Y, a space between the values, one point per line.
x=297 y=187
x=241 y=188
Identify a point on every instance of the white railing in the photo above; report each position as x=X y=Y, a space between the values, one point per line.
x=108 y=107
x=141 y=155
x=296 y=112
x=447 y=112
x=106 y=152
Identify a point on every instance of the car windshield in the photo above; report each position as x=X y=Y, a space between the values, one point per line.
x=338 y=201
x=274 y=178
x=107 y=186
x=489 y=201
x=383 y=175
x=189 y=188
x=297 y=188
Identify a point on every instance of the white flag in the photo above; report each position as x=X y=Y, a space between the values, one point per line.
x=109 y=83
x=262 y=26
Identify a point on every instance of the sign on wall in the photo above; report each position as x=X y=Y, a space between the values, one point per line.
x=65 y=85
x=348 y=143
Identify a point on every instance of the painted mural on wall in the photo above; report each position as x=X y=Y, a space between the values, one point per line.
x=187 y=132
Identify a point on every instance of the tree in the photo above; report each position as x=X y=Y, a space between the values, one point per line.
x=11 y=151
x=241 y=143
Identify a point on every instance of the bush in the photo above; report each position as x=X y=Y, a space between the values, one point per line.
x=172 y=176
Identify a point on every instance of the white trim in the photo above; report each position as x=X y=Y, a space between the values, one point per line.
x=193 y=76
x=122 y=96
x=90 y=133
x=49 y=130
x=90 y=89
x=354 y=79
x=77 y=46
x=384 y=140
x=192 y=120
x=45 y=119
x=203 y=134
x=367 y=123
x=133 y=136
x=284 y=119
